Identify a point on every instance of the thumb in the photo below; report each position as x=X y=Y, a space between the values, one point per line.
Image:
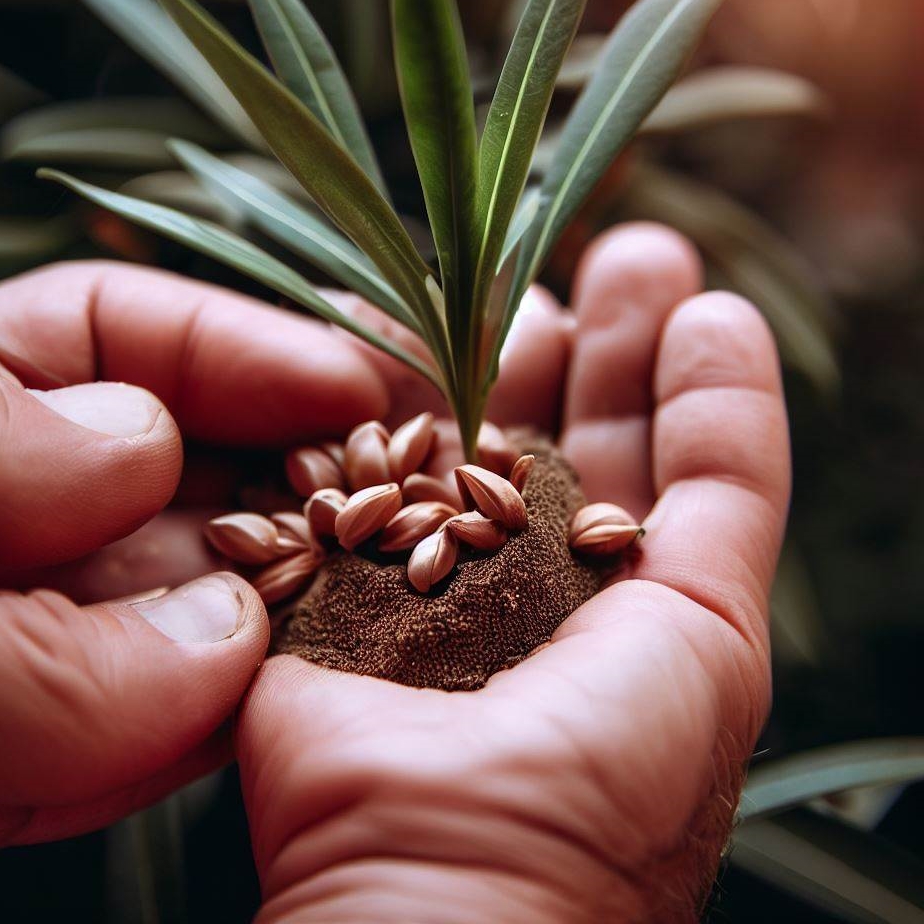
x=80 y=467
x=108 y=707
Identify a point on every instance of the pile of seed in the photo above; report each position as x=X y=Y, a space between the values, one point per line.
x=418 y=580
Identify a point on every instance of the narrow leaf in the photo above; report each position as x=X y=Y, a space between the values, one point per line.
x=148 y=29
x=84 y=127
x=855 y=876
x=642 y=58
x=128 y=149
x=522 y=219
x=228 y=248
x=178 y=190
x=306 y=63
x=330 y=176
x=780 y=784
x=293 y=226
x=721 y=94
x=515 y=120
x=17 y=94
x=439 y=109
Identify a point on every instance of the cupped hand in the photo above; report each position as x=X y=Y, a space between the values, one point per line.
x=106 y=707
x=597 y=780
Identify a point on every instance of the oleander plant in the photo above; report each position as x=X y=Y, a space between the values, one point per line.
x=388 y=570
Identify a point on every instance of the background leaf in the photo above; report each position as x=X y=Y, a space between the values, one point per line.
x=294 y=227
x=781 y=784
x=838 y=869
x=720 y=94
x=751 y=257
x=148 y=29
x=305 y=62
x=232 y=250
x=129 y=131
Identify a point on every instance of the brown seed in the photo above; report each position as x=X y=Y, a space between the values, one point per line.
x=366 y=456
x=477 y=531
x=418 y=487
x=521 y=471
x=412 y=524
x=495 y=451
x=336 y=452
x=432 y=559
x=602 y=529
x=365 y=513
x=293 y=527
x=282 y=578
x=244 y=537
x=494 y=496
x=322 y=509
x=309 y=469
x=410 y=445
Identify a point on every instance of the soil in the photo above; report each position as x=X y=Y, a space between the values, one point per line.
x=364 y=617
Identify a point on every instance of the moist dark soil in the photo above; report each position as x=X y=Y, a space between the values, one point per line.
x=364 y=617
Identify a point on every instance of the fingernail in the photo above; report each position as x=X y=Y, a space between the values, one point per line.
x=106 y=407
x=209 y=609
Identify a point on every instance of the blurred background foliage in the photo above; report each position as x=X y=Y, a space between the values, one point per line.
x=792 y=156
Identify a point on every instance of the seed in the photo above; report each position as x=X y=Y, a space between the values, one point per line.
x=244 y=537
x=477 y=531
x=322 y=509
x=293 y=527
x=418 y=487
x=283 y=578
x=412 y=524
x=432 y=559
x=494 y=496
x=365 y=513
x=366 y=456
x=521 y=471
x=410 y=445
x=335 y=451
x=495 y=451
x=309 y=469
x=603 y=529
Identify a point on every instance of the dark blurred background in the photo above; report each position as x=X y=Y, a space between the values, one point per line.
x=815 y=213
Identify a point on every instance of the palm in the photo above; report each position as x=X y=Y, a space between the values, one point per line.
x=611 y=757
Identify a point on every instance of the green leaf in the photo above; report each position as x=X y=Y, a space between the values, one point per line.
x=27 y=241
x=232 y=250
x=642 y=58
x=721 y=94
x=126 y=132
x=522 y=219
x=294 y=227
x=753 y=259
x=305 y=62
x=849 y=874
x=777 y=785
x=145 y=26
x=436 y=93
x=330 y=176
x=515 y=121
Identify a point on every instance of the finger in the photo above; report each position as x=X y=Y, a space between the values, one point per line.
x=101 y=699
x=533 y=363
x=532 y=369
x=721 y=460
x=167 y=551
x=626 y=285
x=81 y=466
x=229 y=368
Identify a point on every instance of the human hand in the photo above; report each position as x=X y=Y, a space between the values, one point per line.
x=597 y=780
x=107 y=707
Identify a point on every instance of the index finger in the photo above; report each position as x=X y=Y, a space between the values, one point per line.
x=229 y=368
